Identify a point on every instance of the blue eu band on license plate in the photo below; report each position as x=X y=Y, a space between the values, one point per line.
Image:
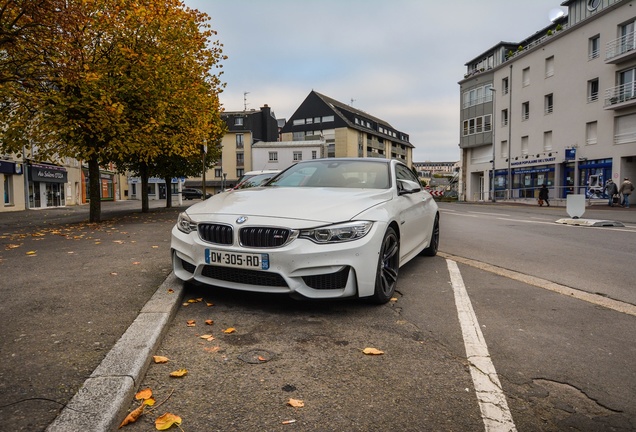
x=238 y=260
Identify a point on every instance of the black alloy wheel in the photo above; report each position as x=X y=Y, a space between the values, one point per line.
x=388 y=267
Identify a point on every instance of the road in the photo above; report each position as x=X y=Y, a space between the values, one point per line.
x=545 y=312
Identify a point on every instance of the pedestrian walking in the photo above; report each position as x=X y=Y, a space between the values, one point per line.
x=544 y=195
x=611 y=190
x=626 y=190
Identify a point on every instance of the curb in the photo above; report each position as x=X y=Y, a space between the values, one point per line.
x=102 y=402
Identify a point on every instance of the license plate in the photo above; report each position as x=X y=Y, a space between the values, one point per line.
x=238 y=260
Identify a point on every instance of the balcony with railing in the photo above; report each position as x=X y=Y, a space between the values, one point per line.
x=622 y=96
x=621 y=50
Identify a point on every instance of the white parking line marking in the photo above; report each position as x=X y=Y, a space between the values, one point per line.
x=492 y=401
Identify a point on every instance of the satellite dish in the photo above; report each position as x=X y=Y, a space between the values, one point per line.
x=555 y=14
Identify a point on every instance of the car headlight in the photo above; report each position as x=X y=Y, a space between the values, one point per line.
x=185 y=224
x=337 y=233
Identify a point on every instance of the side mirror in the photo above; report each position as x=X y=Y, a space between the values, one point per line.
x=408 y=187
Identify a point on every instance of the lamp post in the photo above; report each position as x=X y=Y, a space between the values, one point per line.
x=494 y=115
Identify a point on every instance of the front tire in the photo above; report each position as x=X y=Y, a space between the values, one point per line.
x=388 y=268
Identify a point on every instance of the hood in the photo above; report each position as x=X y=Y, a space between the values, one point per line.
x=316 y=204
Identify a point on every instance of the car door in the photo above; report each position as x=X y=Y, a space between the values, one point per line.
x=415 y=214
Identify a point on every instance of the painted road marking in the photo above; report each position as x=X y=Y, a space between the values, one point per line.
x=492 y=401
x=595 y=299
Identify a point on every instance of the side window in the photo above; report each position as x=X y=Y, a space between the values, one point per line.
x=404 y=175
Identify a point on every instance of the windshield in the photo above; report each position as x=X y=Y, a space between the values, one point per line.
x=335 y=174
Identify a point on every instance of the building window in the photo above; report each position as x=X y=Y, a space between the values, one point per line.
x=592 y=90
x=239 y=141
x=314 y=154
x=627 y=82
x=218 y=172
x=593 y=47
x=479 y=124
x=273 y=156
x=525 y=77
x=465 y=127
x=505 y=88
x=298 y=156
x=524 y=145
x=549 y=103
x=525 y=111
x=238 y=121
x=240 y=172
x=487 y=123
x=547 y=141
x=591 y=137
x=504 y=149
x=298 y=122
x=504 y=117
x=327 y=119
x=549 y=67
x=239 y=159
x=298 y=136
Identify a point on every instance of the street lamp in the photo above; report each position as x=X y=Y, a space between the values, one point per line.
x=494 y=115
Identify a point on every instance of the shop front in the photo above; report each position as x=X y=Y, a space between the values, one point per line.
x=46 y=185
x=12 y=185
x=107 y=184
x=526 y=181
x=592 y=175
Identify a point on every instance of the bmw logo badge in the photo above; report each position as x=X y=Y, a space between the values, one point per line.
x=241 y=219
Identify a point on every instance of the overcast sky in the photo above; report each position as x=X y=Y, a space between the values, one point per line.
x=399 y=60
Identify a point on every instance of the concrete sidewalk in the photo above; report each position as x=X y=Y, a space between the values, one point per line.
x=84 y=306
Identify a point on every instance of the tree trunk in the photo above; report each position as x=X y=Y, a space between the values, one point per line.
x=94 y=191
x=143 y=173
x=168 y=192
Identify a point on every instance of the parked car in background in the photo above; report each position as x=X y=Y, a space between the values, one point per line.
x=256 y=180
x=190 y=193
x=248 y=175
x=323 y=228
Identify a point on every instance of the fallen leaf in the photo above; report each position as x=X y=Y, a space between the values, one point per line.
x=191 y=323
x=150 y=401
x=229 y=330
x=372 y=351
x=133 y=416
x=209 y=322
x=296 y=403
x=212 y=349
x=261 y=358
x=144 y=394
x=136 y=263
x=288 y=421
x=113 y=274
x=170 y=291
x=209 y=304
x=207 y=337
x=166 y=421
x=98 y=242
x=155 y=247
x=12 y=246
x=179 y=373
x=160 y=359
x=31 y=252
x=118 y=241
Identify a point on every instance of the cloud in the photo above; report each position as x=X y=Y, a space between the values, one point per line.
x=398 y=60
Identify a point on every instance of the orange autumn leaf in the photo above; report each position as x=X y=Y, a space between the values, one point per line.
x=296 y=403
x=207 y=337
x=191 y=323
x=372 y=351
x=133 y=416
x=179 y=373
x=166 y=421
x=209 y=304
x=160 y=359
x=170 y=291
x=31 y=252
x=209 y=322
x=229 y=330
x=144 y=394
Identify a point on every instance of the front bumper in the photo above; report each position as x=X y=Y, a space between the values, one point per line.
x=302 y=267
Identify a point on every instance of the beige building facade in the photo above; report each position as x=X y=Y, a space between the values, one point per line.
x=558 y=108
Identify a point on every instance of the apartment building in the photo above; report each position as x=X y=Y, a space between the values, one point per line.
x=557 y=108
x=244 y=129
x=346 y=131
